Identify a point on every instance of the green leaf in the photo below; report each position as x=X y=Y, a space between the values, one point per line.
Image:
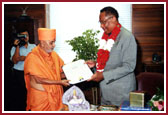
x=155 y=109
x=150 y=103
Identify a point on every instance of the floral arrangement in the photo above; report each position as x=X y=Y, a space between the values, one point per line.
x=157 y=101
x=106 y=43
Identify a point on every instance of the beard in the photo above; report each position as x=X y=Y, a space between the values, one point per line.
x=50 y=50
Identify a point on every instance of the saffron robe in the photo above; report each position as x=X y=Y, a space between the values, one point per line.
x=43 y=65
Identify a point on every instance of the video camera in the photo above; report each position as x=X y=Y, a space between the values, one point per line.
x=21 y=38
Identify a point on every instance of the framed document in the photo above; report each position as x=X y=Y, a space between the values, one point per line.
x=77 y=71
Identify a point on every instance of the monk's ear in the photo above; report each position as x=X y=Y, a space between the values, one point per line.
x=42 y=43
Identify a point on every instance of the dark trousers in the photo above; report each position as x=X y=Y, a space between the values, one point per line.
x=19 y=91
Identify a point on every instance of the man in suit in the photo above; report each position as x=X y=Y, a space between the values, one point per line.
x=116 y=60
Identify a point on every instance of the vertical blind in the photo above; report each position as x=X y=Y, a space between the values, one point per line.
x=71 y=19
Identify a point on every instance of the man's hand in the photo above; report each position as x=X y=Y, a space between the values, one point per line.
x=65 y=83
x=21 y=58
x=91 y=63
x=16 y=42
x=98 y=76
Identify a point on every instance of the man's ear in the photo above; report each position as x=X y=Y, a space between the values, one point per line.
x=114 y=19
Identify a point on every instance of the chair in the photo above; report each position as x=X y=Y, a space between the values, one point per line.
x=149 y=81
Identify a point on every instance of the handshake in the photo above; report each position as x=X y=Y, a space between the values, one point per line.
x=80 y=71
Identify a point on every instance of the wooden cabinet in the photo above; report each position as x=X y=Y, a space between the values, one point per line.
x=154 y=67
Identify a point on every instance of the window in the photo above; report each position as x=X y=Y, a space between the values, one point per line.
x=71 y=19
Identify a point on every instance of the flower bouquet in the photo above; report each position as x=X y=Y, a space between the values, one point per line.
x=157 y=101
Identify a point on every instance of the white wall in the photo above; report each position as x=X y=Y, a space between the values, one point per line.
x=70 y=19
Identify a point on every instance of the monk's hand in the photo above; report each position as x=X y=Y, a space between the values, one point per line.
x=91 y=63
x=63 y=75
x=65 y=83
x=98 y=76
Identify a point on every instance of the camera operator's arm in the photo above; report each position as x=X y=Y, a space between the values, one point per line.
x=16 y=57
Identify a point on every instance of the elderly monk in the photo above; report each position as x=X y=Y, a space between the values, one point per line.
x=43 y=74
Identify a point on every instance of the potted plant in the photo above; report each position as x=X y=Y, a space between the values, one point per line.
x=85 y=46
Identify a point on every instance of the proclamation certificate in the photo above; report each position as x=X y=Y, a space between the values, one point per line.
x=77 y=71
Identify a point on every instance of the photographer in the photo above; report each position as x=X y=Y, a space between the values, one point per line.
x=18 y=54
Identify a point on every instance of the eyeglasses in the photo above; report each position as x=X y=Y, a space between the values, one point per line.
x=105 y=21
